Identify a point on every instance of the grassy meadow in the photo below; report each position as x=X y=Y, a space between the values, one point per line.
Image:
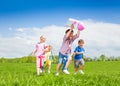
x=96 y=74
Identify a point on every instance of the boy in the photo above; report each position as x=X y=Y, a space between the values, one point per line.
x=65 y=50
x=78 y=58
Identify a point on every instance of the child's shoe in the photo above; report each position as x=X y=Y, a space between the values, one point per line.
x=66 y=71
x=81 y=72
x=40 y=71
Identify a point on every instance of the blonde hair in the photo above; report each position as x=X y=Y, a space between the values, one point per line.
x=41 y=37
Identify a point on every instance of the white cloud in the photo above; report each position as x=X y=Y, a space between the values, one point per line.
x=100 y=38
x=21 y=29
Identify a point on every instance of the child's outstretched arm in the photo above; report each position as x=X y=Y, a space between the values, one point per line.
x=45 y=50
x=33 y=53
x=78 y=33
x=79 y=52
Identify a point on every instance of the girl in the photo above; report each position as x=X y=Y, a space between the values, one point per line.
x=39 y=53
x=48 y=57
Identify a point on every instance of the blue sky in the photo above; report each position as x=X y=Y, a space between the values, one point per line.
x=23 y=21
x=39 y=13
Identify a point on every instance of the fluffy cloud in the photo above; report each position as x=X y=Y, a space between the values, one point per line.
x=20 y=29
x=100 y=38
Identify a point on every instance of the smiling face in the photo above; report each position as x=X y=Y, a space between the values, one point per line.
x=71 y=34
x=49 y=47
x=81 y=42
x=42 y=39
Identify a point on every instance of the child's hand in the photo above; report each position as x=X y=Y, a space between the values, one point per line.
x=77 y=52
x=33 y=54
x=82 y=52
x=45 y=50
x=72 y=26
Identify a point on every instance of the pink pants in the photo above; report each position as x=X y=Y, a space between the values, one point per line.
x=39 y=61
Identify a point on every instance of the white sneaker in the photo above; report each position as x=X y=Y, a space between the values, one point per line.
x=81 y=72
x=48 y=71
x=40 y=71
x=66 y=72
x=57 y=74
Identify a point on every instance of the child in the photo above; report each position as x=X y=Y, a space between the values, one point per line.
x=48 y=57
x=65 y=51
x=39 y=53
x=78 y=58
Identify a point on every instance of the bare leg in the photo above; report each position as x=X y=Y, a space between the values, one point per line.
x=58 y=67
x=81 y=67
x=38 y=71
x=76 y=69
x=49 y=66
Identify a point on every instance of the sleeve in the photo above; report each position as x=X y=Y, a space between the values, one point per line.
x=64 y=38
x=36 y=46
x=74 y=37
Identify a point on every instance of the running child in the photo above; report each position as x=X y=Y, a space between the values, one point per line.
x=40 y=54
x=78 y=58
x=65 y=50
x=48 y=58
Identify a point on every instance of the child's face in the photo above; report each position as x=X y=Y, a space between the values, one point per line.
x=71 y=35
x=81 y=44
x=42 y=39
x=50 y=47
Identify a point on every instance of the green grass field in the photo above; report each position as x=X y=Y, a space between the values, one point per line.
x=96 y=74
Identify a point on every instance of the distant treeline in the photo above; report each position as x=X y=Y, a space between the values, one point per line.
x=103 y=58
x=32 y=59
x=24 y=59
